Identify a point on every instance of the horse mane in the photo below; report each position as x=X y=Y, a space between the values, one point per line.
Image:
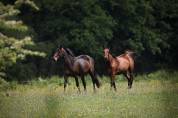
x=69 y=52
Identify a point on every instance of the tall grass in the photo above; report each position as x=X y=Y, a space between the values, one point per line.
x=153 y=96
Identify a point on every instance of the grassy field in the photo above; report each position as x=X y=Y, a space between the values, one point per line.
x=153 y=96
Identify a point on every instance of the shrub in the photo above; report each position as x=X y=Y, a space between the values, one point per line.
x=4 y=85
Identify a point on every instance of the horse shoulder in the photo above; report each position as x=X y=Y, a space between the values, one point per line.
x=114 y=63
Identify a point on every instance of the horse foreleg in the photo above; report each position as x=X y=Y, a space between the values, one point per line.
x=113 y=82
x=65 y=82
x=83 y=81
x=129 y=84
x=77 y=83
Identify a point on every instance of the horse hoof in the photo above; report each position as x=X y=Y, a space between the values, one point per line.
x=129 y=87
x=78 y=92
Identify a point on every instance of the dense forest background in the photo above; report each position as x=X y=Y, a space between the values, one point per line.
x=31 y=30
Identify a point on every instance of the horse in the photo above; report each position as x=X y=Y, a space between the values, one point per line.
x=77 y=66
x=122 y=64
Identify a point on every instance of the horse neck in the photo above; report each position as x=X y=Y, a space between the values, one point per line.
x=69 y=60
x=110 y=57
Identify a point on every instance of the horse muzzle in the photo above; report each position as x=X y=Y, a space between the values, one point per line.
x=55 y=58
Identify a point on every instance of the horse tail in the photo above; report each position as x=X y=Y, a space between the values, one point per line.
x=97 y=82
x=131 y=58
x=130 y=54
x=93 y=71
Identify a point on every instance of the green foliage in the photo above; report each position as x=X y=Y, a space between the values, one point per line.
x=30 y=3
x=86 y=26
x=92 y=24
x=136 y=27
x=15 y=36
x=82 y=24
x=166 y=16
x=4 y=85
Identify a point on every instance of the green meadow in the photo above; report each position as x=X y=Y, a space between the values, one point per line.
x=153 y=95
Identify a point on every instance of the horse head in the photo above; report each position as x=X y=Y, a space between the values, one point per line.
x=106 y=53
x=59 y=53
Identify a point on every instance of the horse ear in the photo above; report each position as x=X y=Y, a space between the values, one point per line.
x=60 y=46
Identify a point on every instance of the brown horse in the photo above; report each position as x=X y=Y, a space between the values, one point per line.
x=77 y=66
x=123 y=64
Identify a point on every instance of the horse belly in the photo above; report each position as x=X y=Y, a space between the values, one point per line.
x=76 y=68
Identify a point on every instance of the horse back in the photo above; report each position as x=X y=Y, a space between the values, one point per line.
x=85 y=57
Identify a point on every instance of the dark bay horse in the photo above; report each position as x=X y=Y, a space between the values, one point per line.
x=77 y=66
x=123 y=64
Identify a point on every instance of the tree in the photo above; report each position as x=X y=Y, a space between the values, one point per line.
x=81 y=24
x=15 y=37
x=136 y=26
x=166 y=17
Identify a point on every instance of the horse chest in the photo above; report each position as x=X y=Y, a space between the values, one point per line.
x=114 y=65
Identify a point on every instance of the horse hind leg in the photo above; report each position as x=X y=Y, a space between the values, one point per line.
x=83 y=81
x=131 y=79
x=128 y=79
x=94 y=80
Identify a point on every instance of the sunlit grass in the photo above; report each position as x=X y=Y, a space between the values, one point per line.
x=152 y=96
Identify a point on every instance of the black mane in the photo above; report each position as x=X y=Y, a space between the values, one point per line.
x=69 y=52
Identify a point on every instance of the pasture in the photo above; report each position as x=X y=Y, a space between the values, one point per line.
x=153 y=95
